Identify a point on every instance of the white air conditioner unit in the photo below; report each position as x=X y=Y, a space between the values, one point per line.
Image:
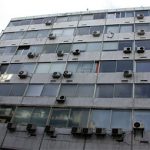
x=61 y=99
x=96 y=33
x=67 y=74
x=141 y=32
x=60 y=53
x=127 y=50
x=117 y=132
x=76 y=52
x=127 y=73
x=138 y=125
x=23 y=74
x=140 y=16
x=52 y=36
x=31 y=55
x=56 y=75
x=140 y=49
x=48 y=23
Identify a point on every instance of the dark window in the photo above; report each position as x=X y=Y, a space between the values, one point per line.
x=142 y=90
x=96 y=28
x=143 y=43
x=123 y=90
x=123 y=65
x=144 y=12
x=142 y=66
x=3 y=68
x=62 y=19
x=19 y=23
x=83 y=31
x=37 y=21
x=50 y=90
x=73 y=18
x=9 y=50
x=129 y=14
x=100 y=16
x=14 y=68
x=23 y=50
x=5 y=89
x=144 y=26
x=18 y=89
x=108 y=66
x=64 y=47
x=59 y=117
x=50 y=48
x=104 y=91
x=123 y=44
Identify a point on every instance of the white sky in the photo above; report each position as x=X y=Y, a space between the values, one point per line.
x=21 y=8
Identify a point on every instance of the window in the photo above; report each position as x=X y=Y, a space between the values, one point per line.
x=34 y=90
x=100 y=16
x=19 y=22
x=123 y=44
x=14 y=68
x=83 y=31
x=78 y=118
x=29 y=67
x=73 y=18
x=68 y=32
x=59 y=117
x=144 y=12
x=12 y=35
x=87 y=17
x=123 y=65
x=42 y=34
x=62 y=19
x=112 y=29
x=50 y=90
x=64 y=47
x=5 y=89
x=92 y=47
x=110 y=46
x=142 y=116
x=68 y=90
x=108 y=66
x=3 y=68
x=142 y=90
x=23 y=115
x=96 y=28
x=57 y=32
x=121 y=119
x=81 y=67
x=48 y=19
x=143 y=26
x=100 y=119
x=43 y=68
x=39 y=116
x=23 y=50
x=126 y=28
x=143 y=43
x=142 y=66
x=129 y=14
x=105 y=91
x=9 y=50
x=80 y=46
x=111 y=15
x=18 y=89
x=50 y=48
x=37 y=21
x=123 y=90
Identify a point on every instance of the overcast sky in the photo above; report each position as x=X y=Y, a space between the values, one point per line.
x=21 y=8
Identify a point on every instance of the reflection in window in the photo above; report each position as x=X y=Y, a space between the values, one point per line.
x=50 y=48
x=19 y=22
x=142 y=90
x=3 y=68
x=83 y=31
x=110 y=46
x=59 y=117
x=64 y=47
x=12 y=35
x=100 y=119
x=9 y=50
x=78 y=118
x=37 y=21
x=68 y=32
x=108 y=66
x=126 y=28
x=5 y=89
x=112 y=29
x=121 y=119
x=142 y=66
x=123 y=65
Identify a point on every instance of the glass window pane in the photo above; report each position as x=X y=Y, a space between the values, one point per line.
x=143 y=116
x=142 y=90
x=73 y=18
x=50 y=90
x=121 y=119
x=96 y=28
x=40 y=116
x=86 y=90
x=142 y=43
x=110 y=46
x=111 y=15
x=123 y=44
x=18 y=89
x=43 y=68
x=37 y=21
x=34 y=90
x=23 y=115
x=86 y=17
x=14 y=68
x=5 y=89
x=78 y=118
x=72 y=66
x=144 y=12
x=42 y=34
x=142 y=66
x=36 y=49
x=100 y=119
x=50 y=48
x=64 y=47
x=108 y=66
x=3 y=68
x=129 y=14
x=59 y=117
x=100 y=16
x=83 y=30
x=62 y=19
x=123 y=90
x=57 y=67
x=123 y=65
x=68 y=32
x=104 y=91
x=57 y=32
x=29 y=67
x=80 y=46
x=30 y=34
x=68 y=90
x=113 y=29
x=92 y=47
x=126 y=28
x=144 y=26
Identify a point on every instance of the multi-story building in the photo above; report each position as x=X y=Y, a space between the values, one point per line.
x=76 y=81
